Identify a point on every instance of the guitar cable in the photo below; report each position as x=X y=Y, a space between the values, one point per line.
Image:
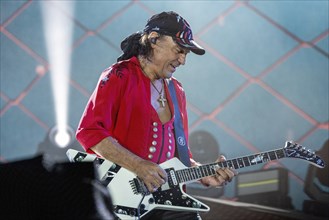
x=139 y=206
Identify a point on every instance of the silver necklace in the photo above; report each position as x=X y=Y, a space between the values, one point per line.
x=161 y=99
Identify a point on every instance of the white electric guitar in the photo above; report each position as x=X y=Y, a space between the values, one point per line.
x=132 y=200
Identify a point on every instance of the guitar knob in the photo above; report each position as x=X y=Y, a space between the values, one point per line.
x=132 y=213
x=196 y=205
x=188 y=203
x=184 y=196
x=151 y=200
x=167 y=202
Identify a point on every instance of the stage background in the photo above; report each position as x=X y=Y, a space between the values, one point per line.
x=262 y=81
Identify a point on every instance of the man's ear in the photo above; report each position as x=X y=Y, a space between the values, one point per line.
x=153 y=36
x=153 y=40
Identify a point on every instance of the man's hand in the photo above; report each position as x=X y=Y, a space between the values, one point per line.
x=151 y=174
x=222 y=176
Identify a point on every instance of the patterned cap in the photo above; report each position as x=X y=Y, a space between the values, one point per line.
x=172 y=24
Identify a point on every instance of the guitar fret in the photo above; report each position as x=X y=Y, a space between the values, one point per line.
x=229 y=163
x=252 y=160
x=266 y=157
x=240 y=162
x=187 y=174
x=194 y=176
x=208 y=170
x=203 y=171
x=213 y=169
x=179 y=174
x=272 y=155
x=195 y=173
x=182 y=176
x=190 y=174
x=259 y=158
x=246 y=161
x=279 y=153
x=198 y=172
x=235 y=164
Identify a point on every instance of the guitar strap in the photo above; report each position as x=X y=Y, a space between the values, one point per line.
x=181 y=144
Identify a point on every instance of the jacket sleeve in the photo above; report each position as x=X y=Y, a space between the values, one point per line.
x=99 y=117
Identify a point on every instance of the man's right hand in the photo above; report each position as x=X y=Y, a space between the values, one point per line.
x=151 y=174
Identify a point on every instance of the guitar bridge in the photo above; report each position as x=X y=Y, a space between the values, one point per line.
x=138 y=187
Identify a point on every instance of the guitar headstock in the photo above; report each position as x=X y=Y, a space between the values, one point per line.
x=294 y=150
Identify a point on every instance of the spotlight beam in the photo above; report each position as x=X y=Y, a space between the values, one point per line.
x=58 y=35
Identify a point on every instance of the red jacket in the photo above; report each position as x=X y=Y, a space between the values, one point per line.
x=120 y=107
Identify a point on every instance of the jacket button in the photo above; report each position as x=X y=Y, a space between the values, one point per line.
x=152 y=149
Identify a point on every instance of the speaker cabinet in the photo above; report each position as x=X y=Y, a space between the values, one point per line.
x=264 y=187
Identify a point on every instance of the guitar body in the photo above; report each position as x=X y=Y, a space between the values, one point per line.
x=130 y=197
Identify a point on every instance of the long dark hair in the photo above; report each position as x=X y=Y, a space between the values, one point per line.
x=136 y=44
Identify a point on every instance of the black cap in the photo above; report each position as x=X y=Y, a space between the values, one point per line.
x=172 y=24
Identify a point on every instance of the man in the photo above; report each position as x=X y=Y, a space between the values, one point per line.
x=129 y=118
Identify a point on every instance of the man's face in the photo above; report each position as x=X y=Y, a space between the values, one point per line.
x=167 y=56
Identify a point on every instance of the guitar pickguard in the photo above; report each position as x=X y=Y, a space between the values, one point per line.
x=175 y=197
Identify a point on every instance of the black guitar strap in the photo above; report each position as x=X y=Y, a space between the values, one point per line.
x=181 y=144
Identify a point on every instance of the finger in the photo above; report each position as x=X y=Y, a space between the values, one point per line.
x=231 y=172
x=163 y=177
x=224 y=175
x=220 y=180
x=149 y=187
x=221 y=158
x=158 y=180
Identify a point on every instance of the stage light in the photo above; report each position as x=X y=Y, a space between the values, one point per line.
x=61 y=138
x=58 y=35
x=55 y=144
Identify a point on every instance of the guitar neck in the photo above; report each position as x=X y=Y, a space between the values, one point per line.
x=198 y=172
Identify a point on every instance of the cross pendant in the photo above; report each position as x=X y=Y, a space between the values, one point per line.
x=162 y=100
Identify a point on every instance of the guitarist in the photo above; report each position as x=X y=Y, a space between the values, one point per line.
x=129 y=118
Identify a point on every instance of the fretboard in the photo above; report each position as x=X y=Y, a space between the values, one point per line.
x=198 y=172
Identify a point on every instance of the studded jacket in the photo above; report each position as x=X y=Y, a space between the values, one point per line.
x=120 y=107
